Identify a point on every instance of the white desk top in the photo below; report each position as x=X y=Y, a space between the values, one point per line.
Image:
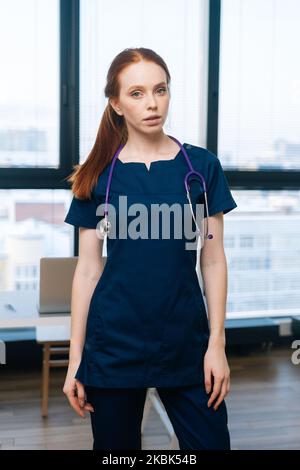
x=25 y=314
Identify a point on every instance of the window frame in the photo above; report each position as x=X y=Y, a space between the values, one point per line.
x=69 y=119
x=53 y=178
x=238 y=179
x=69 y=106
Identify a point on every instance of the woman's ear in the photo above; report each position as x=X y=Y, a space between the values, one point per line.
x=115 y=107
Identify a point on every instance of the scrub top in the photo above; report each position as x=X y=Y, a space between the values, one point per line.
x=147 y=324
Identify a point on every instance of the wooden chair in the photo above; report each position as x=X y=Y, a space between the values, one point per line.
x=51 y=349
x=56 y=277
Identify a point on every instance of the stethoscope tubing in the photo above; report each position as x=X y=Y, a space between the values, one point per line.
x=187 y=187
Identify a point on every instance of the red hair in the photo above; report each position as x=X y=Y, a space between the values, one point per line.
x=112 y=131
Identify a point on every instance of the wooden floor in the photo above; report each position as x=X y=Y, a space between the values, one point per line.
x=263 y=408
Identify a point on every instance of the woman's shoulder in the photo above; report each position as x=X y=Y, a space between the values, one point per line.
x=201 y=156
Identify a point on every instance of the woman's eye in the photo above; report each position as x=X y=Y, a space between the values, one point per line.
x=162 y=88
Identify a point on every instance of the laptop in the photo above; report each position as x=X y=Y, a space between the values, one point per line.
x=56 y=278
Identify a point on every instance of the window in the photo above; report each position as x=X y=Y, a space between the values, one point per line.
x=264 y=275
x=33 y=228
x=259 y=97
x=254 y=110
x=29 y=92
x=133 y=26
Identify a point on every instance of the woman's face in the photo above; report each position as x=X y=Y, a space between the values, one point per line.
x=143 y=92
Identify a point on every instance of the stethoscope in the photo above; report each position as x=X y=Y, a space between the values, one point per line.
x=105 y=224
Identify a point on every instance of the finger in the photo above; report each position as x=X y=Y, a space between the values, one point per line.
x=221 y=396
x=75 y=405
x=82 y=398
x=89 y=407
x=86 y=406
x=81 y=394
x=73 y=400
x=207 y=379
x=216 y=391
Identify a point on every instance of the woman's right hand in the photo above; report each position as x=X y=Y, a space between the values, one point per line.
x=74 y=390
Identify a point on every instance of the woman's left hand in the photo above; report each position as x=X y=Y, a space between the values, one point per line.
x=216 y=365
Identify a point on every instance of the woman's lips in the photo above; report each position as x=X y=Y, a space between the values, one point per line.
x=153 y=121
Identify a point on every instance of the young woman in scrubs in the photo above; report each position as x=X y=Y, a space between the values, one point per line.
x=140 y=320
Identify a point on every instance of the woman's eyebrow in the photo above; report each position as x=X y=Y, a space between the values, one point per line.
x=141 y=86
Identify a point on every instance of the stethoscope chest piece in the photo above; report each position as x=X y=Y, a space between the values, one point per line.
x=104 y=227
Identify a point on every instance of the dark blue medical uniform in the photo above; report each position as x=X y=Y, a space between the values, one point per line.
x=147 y=324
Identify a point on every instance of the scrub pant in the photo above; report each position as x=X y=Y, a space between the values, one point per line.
x=118 y=412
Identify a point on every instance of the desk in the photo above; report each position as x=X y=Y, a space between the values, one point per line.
x=52 y=331
x=25 y=313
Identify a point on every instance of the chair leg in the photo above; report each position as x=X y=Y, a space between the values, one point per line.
x=147 y=409
x=45 y=379
x=174 y=442
x=161 y=411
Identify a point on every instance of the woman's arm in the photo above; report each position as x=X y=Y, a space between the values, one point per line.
x=87 y=273
x=214 y=273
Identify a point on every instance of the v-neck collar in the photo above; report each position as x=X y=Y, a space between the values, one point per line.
x=153 y=163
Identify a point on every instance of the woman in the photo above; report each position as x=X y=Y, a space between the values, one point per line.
x=140 y=321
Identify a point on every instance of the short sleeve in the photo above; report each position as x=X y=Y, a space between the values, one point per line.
x=219 y=197
x=82 y=212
